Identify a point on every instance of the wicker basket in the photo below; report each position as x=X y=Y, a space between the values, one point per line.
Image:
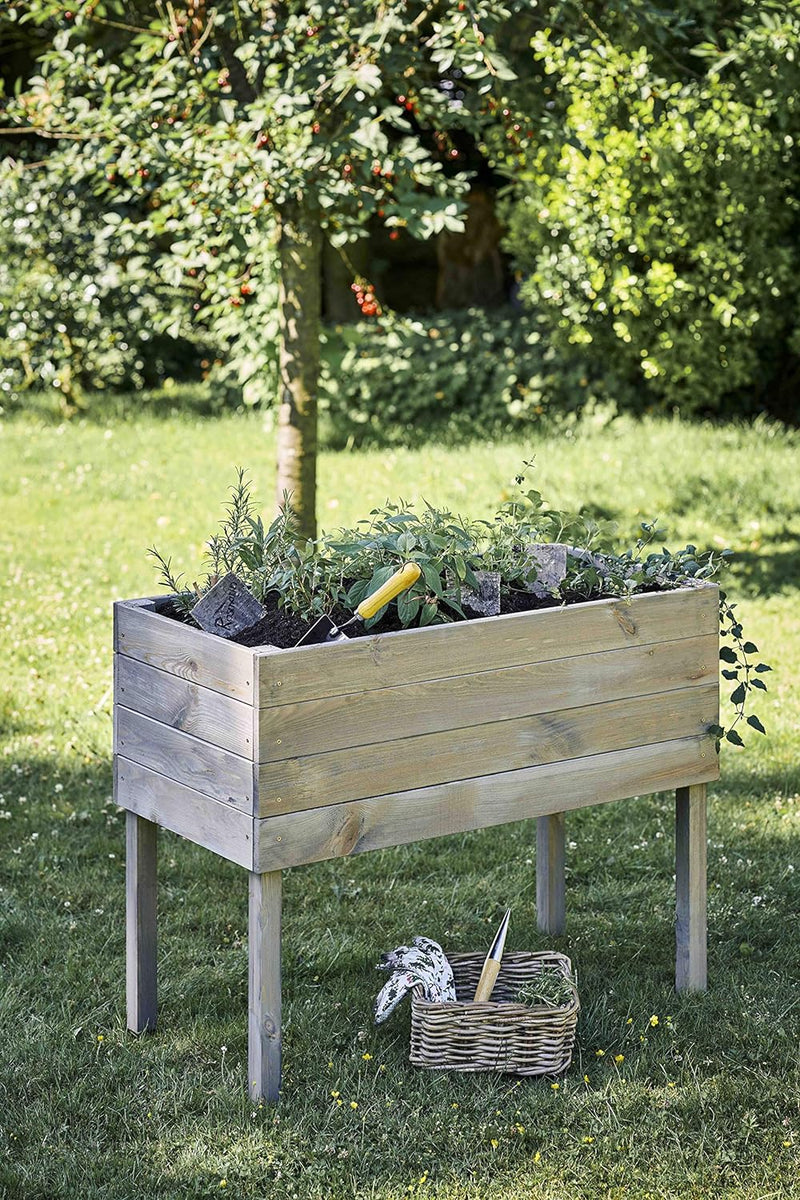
x=496 y=1035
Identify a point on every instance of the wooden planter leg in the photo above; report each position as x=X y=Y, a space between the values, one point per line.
x=264 y=987
x=550 y=900
x=690 y=879
x=141 y=841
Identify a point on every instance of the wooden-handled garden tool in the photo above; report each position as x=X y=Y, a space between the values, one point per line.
x=491 y=966
x=325 y=630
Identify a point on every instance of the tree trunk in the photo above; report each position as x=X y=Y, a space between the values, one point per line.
x=300 y=251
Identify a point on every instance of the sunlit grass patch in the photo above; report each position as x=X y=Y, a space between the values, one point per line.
x=702 y=1103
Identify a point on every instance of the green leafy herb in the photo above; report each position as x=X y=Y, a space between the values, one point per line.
x=551 y=987
x=341 y=568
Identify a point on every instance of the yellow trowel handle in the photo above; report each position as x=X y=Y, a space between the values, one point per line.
x=398 y=583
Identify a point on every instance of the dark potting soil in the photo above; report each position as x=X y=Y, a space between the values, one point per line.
x=281 y=628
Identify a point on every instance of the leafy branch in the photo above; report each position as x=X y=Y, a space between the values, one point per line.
x=742 y=670
x=183 y=598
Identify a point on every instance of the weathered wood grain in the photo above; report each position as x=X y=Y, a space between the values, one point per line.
x=410 y=710
x=365 y=664
x=209 y=715
x=550 y=880
x=208 y=769
x=314 y=780
x=218 y=827
x=142 y=633
x=264 y=987
x=141 y=842
x=393 y=820
x=690 y=882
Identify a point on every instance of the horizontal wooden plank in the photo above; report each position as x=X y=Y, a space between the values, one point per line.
x=364 y=664
x=218 y=827
x=207 y=714
x=316 y=780
x=141 y=632
x=206 y=768
x=363 y=718
x=341 y=829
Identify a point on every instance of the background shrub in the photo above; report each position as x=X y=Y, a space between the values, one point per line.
x=656 y=223
x=466 y=373
x=77 y=309
x=653 y=225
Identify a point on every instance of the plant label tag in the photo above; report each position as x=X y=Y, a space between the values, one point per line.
x=549 y=562
x=228 y=608
x=487 y=600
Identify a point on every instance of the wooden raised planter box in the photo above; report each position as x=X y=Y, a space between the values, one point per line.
x=275 y=758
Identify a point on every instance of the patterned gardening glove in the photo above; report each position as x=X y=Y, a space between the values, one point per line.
x=423 y=962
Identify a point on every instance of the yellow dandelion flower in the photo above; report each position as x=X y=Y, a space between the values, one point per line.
x=537 y=1158
x=223 y=1183
x=587 y=1141
x=586 y=1079
x=670 y=1083
x=600 y=1053
x=354 y=1104
x=100 y=1037
x=494 y=1143
x=366 y=1057
x=336 y=1095
x=555 y=1086
x=619 y=1058
x=629 y=1021
x=786 y=1145
x=330 y=1065
x=654 y=1020
x=339 y=1103
x=454 y=1104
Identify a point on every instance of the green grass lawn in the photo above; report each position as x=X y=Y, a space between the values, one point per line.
x=702 y=1103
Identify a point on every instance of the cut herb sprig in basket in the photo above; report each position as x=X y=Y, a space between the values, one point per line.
x=551 y=988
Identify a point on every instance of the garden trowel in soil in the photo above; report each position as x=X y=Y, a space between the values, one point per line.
x=325 y=630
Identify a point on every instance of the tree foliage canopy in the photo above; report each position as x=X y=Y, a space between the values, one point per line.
x=650 y=153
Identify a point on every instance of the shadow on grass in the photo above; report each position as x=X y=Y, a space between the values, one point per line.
x=772 y=569
x=189 y=400
x=174 y=1103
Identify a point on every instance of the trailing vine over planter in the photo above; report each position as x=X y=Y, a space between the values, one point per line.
x=299 y=579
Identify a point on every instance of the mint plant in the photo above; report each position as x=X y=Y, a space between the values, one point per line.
x=341 y=568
